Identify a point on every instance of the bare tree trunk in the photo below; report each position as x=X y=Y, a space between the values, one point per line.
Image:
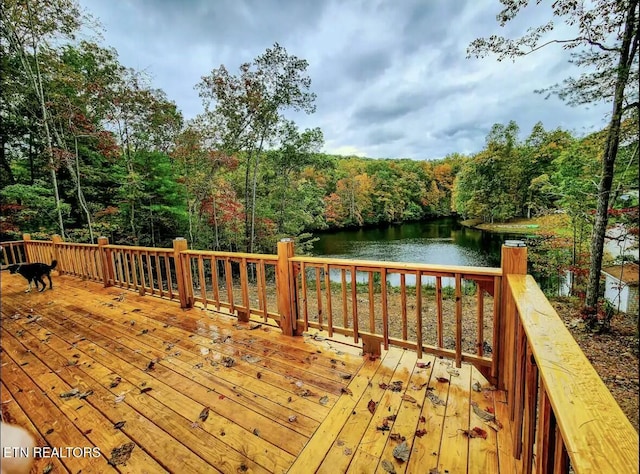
x=627 y=53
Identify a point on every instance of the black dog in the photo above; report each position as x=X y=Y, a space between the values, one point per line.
x=34 y=272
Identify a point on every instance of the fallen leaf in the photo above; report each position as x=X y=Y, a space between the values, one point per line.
x=345 y=376
x=150 y=365
x=421 y=433
x=388 y=467
x=476 y=386
x=372 y=406
x=254 y=326
x=70 y=394
x=409 y=398
x=348 y=451
x=324 y=400
x=145 y=390
x=119 y=398
x=119 y=425
x=442 y=379
x=397 y=437
x=383 y=385
x=84 y=395
x=121 y=454
x=256 y=432
x=453 y=372
x=228 y=361
x=251 y=359
x=422 y=419
x=204 y=414
x=346 y=390
x=292 y=418
x=423 y=365
x=204 y=351
x=484 y=415
x=115 y=382
x=476 y=432
x=490 y=410
x=49 y=431
x=401 y=452
x=47 y=469
x=396 y=386
x=433 y=398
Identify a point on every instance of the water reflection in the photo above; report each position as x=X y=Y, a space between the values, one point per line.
x=440 y=242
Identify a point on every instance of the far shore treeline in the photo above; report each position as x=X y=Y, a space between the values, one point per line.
x=90 y=148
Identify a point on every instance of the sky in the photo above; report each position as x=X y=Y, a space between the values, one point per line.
x=391 y=76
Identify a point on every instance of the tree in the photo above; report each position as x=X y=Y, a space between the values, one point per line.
x=248 y=109
x=28 y=29
x=605 y=45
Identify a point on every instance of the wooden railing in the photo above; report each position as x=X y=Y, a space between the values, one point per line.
x=243 y=283
x=564 y=417
x=360 y=299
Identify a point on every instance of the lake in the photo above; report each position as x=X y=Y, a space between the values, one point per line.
x=441 y=241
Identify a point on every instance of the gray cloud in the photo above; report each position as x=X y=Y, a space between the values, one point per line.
x=391 y=78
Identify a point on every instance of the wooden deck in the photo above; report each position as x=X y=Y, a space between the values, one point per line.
x=160 y=389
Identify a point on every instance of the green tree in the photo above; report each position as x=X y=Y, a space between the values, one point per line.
x=248 y=109
x=605 y=45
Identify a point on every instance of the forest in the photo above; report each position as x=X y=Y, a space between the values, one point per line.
x=90 y=148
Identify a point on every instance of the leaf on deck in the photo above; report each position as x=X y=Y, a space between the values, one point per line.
x=484 y=415
x=476 y=432
x=324 y=400
x=150 y=366
x=388 y=467
x=145 y=390
x=115 y=382
x=119 y=425
x=228 y=361
x=421 y=433
x=433 y=398
x=204 y=414
x=292 y=418
x=476 y=386
x=401 y=452
x=121 y=454
x=84 y=395
x=251 y=358
x=372 y=406
x=397 y=437
x=442 y=379
x=70 y=394
x=409 y=398
x=346 y=390
x=48 y=468
x=119 y=398
x=423 y=365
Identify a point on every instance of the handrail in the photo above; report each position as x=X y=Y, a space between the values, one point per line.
x=595 y=433
x=329 y=300
x=403 y=266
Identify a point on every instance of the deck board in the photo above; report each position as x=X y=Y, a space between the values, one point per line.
x=295 y=405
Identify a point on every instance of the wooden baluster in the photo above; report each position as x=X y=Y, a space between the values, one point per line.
x=458 y=320
x=419 y=314
x=202 y=281
x=354 y=303
x=439 y=325
x=480 y=319
x=343 y=288
x=403 y=304
x=319 y=296
x=385 y=310
x=305 y=306
x=327 y=285
x=372 y=318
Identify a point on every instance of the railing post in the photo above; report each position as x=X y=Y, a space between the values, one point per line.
x=56 y=239
x=286 y=288
x=514 y=261
x=26 y=238
x=183 y=273
x=105 y=258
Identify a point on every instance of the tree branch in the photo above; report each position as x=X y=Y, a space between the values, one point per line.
x=578 y=39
